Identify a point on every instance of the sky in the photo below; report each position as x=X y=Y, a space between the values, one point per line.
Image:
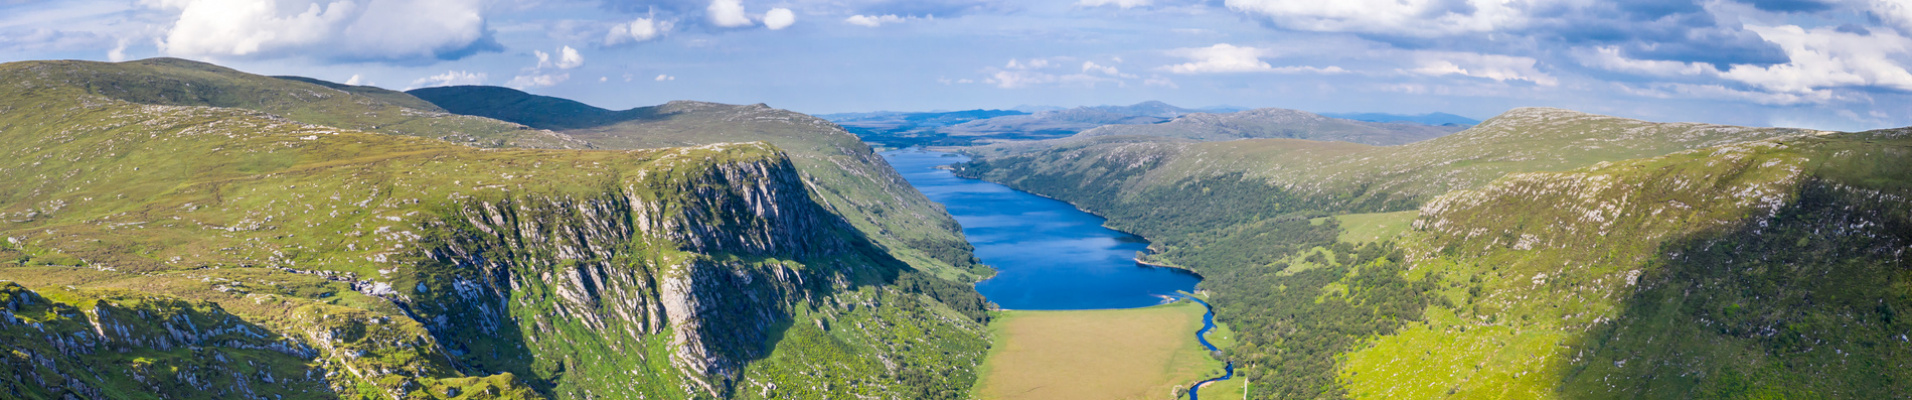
x=1824 y=64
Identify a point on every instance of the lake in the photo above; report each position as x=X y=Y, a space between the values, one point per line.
x=1048 y=255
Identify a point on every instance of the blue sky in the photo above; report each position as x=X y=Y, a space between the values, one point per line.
x=1828 y=64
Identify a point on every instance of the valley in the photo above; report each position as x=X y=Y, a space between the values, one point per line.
x=176 y=229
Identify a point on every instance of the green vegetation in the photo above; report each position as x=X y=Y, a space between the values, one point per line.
x=1277 y=123
x=846 y=176
x=1668 y=261
x=184 y=251
x=1073 y=354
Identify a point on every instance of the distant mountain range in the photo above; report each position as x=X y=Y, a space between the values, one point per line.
x=1279 y=123
x=1437 y=119
x=1023 y=123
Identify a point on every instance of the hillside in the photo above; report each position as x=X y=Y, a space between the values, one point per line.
x=1437 y=119
x=966 y=128
x=1667 y=261
x=175 y=82
x=169 y=251
x=845 y=174
x=1264 y=123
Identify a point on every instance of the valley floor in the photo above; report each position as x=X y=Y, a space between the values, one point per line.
x=1139 y=353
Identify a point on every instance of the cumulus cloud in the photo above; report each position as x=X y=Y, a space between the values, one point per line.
x=1826 y=57
x=538 y=80
x=1489 y=66
x=638 y=30
x=568 y=58
x=728 y=14
x=449 y=78
x=1117 y=3
x=368 y=30
x=1018 y=73
x=876 y=20
x=664 y=78
x=1419 y=17
x=356 y=80
x=1610 y=58
x=779 y=18
x=1228 y=58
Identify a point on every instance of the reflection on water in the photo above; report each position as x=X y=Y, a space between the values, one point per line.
x=1048 y=255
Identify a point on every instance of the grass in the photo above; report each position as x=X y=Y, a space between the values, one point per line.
x=1375 y=227
x=849 y=178
x=1142 y=353
x=511 y=272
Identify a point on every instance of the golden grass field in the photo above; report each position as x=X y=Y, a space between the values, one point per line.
x=1138 y=353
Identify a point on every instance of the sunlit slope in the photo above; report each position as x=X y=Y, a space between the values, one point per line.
x=203 y=252
x=170 y=81
x=846 y=175
x=1665 y=261
x=1266 y=123
x=1769 y=269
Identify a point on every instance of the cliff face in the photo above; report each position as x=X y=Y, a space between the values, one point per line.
x=372 y=265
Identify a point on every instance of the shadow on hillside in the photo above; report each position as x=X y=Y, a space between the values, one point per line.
x=1804 y=304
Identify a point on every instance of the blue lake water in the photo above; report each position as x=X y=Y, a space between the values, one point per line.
x=1048 y=255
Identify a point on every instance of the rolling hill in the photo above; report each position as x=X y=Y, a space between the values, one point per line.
x=185 y=241
x=1655 y=260
x=1265 y=123
x=847 y=176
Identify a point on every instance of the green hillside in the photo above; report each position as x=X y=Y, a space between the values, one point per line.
x=1266 y=123
x=176 y=82
x=1667 y=261
x=169 y=251
x=845 y=174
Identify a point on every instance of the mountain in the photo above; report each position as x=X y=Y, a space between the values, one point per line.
x=849 y=177
x=1543 y=253
x=965 y=128
x=1144 y=109
x=216 y=249
x=1278 y=123
x=1436 y=119
x=175 y=82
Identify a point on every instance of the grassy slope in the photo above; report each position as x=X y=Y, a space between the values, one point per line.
x=358 y=245
x=169 y=81
x=1067 y=354
x=1773 y=269
x=1276 y=123
x=1491 y=327
x=848 y=177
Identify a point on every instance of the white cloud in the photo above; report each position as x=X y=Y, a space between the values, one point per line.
x=728 y=13
x=355 y=80
x=1419 y=17
x=1117 y=3
x=118 y=53
x=537 y=80
x=779 y=18
x=603 y=79
x=449 y=78
x=393 y=30
x=1720 y=92
x=1490 y=66
x=1609 y=58
x=875 y=20
x=638 y=30
x=1826 y=58
x=1013 y=79
x=569 y=58
x=664 y=78
x=1161 y=82
x=1227 y=58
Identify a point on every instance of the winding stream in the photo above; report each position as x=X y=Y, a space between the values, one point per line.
x=1208 y=324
